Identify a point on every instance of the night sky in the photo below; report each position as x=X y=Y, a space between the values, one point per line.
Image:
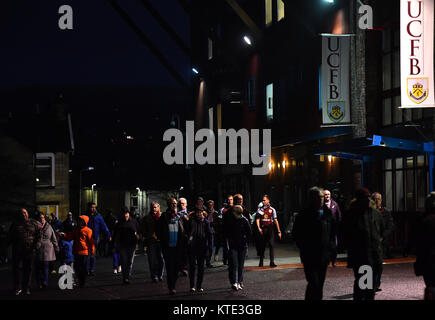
x=108 y=77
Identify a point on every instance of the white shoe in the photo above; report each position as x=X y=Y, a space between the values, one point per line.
x=235 y=286
x=119 y=269
x=239 y=286
x=115 y=271
x=192 y=289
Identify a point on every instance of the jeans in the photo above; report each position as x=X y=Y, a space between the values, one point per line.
x=22 y=266
x=127 y=258
x=209 y=252
x=171 y=257
x=236 y=264
x=42 y=272
x=80 y=268
x=155 y=260
x=315 y=275
x=116 y=260
x=196 y=258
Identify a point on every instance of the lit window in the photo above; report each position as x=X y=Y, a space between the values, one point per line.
x=48 y=209
x=268 y=10
x=44 y=170
x=280 y=8
x=269 y=102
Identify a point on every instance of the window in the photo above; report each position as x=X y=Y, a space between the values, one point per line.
x=268 y=10
x=210 y=49
x=280 y=8
x=269 y=102
x=48 y=209
x=406 y=183
x=44 y=169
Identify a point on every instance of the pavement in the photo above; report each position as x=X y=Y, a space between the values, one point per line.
x=285 y=282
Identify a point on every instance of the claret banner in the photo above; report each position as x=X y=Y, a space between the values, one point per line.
x=335 y=79
x=416 y=53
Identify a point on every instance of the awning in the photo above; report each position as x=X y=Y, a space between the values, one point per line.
x=377 y=148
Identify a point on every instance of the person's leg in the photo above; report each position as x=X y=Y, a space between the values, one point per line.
x=234 y=266
x=152 y=260
x=209 y=252
x=271 y=242
x=131 y=252
x=262 y=248
x=314 y=288
x=124 y=263
x=17 y=269
x=358 y=293
x=192 y=262
x=377 y=275
x=28 y=270
x=322 y=277
x=160 y=261
x=226 y=252
x=241 y=264
x=45 y=273
x=200 y=260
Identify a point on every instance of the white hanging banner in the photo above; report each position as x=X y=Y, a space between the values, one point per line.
x=335 y=79
x=416 y=53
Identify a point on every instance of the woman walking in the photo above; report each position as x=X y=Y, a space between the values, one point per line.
x=154 y=249
x=126 y=237
x=47 y=251
x=199 y=243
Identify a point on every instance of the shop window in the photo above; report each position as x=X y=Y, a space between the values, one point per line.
x=268 y=11
x=280 y=9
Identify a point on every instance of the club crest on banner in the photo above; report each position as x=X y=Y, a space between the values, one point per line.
x=418 y=89
x=336 y=111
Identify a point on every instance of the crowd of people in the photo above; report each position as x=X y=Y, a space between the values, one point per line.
x=181 y=241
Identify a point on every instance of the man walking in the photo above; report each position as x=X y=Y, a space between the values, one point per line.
x=312 y=232
x=266 y=217
x=211 y=216
x=336 y=219
x=364 y=227
x=389 y=227
x=24 y=236
x=96 y=224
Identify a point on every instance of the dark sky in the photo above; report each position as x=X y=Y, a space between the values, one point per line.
x=101 y=50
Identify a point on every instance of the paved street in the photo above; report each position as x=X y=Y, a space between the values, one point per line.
x=286 y=282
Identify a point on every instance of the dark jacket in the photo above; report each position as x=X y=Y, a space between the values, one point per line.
x=388 y=223
x=425 y=262
x=363 y=232
x=198 y=242
x=314 y=236
x=68 y=225
x=163 y=230
x=97 y=224
x=335 y=211
x=24 y=235
x=126 y=233
x=237 y=231
x=149 y=229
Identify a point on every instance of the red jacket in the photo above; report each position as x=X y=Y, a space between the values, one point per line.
x=82 y=237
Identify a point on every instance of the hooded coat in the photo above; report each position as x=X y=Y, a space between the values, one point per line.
x=82 y=237
x=48 y=243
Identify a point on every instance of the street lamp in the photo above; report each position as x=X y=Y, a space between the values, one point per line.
x=247 y=40
x=195 y=70
x=80 y=186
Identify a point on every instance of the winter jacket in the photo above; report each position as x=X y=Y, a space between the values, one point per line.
x=83 y=240
x=48 y=244
x=149 y=228
x=237 y=231
x=65 y=254
x=314 y=235
x=68 y=225
x=363 y=230
x=24 y=235
x=126 y=233
x=198 y=242
x=388 y=223
x=97 y=224
x=163 y=230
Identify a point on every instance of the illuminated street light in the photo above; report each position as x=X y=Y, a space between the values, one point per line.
x=329 y=1
x=283 y=164
x=330 y=158
x=195 y=71
x=247 y=40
